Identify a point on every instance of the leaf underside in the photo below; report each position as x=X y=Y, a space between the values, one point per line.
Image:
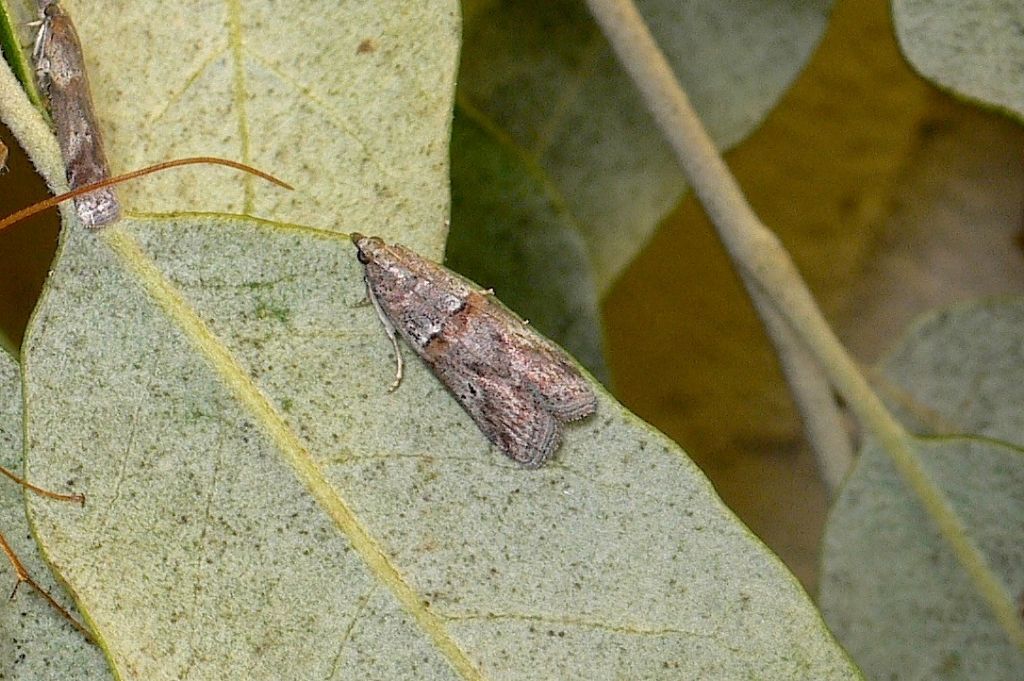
x=213 y=387
x=36 y=643
x=885 y=563
x=973 y=49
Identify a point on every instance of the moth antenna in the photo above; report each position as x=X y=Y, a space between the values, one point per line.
x=29 y=211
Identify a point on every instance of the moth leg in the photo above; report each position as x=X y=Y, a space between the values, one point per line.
x=37 y=44
x=389 y=329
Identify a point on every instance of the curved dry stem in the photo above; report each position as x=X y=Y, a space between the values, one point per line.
x=23 y=577
x=42 y=491
x=118 y=179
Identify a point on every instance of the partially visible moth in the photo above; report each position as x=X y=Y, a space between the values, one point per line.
x=60 y=71
x=518 y=387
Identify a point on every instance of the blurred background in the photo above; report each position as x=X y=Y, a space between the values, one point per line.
x=892 y=197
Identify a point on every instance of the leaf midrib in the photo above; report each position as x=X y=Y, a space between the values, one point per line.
x=291 y=447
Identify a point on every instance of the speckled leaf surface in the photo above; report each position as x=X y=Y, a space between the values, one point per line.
x=36 y=643
x=262 y=507
x=214 y=388
x=975 y=49
x=509 y=233
x=345 y=101
x=543 y=72
x=893 y=590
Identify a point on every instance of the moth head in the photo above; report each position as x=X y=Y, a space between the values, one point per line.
x=52 y=9
x=366 y=247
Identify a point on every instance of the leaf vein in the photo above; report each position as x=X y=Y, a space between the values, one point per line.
x=291 y=447
x=632 y=629
x=241 y=94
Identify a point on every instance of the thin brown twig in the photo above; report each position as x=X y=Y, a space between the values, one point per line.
x=79 y=498
x=23 y=577
x=118 y=179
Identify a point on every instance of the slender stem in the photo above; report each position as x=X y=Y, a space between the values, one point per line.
x=749 y=243
x=811 y=390
x=21 y=573
x=761 y=257
x=756 y=251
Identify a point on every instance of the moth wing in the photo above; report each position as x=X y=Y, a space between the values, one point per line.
x=545 y=368
x=509 y=416
x=564 y=393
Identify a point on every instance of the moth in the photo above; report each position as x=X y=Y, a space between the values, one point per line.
x=517 y=387
x=60 y=72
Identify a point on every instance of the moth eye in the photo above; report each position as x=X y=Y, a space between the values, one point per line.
x=362 y=257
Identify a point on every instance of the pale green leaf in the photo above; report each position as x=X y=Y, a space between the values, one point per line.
x=288 y=89
x=897 y=595
x=975 y=49
x=960 y=371
x=262 y=507
x=542 y=70
x=36 y=643
x=212 y=386
x=510 y=234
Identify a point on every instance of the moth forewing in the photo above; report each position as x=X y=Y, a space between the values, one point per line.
x=60 y=72
x=516 y=386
